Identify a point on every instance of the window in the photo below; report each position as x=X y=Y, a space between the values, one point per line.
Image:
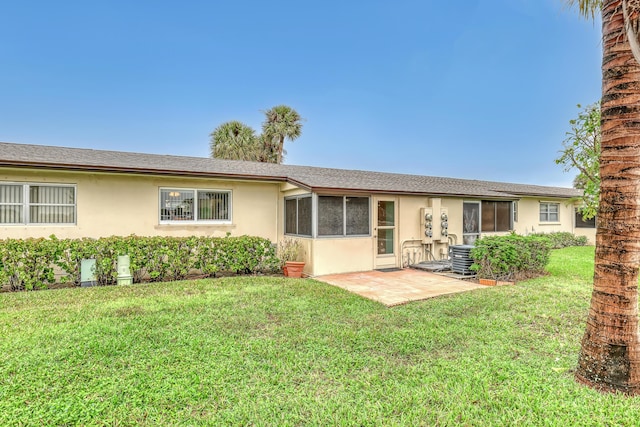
x=37 y=204
x=496 y=216
x=330 y=216
x=549 y=212
x=357 y=215
x=343 y=216
x=297 y=214
x=584 y=223
x=470 y=222
x=11 y=204
x=386 y=225
x=180 y=204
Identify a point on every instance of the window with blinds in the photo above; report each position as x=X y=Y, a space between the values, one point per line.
x=183 y=204
x=37 y=204
x=11 y=204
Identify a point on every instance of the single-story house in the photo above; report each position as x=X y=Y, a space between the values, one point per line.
x=348 y=220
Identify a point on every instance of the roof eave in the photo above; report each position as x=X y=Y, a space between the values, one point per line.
x=266 y=177
x=549 y=195
x=139 y=171
x=407 y=193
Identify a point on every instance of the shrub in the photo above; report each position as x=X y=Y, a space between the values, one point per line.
x=30 y=263
x=290 y=250
x=511 y=257
x=27 y=264
x=563 y=239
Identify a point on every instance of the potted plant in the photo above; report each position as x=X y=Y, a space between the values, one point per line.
x=291 y=255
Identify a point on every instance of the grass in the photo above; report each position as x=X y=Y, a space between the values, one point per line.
x=272 y=351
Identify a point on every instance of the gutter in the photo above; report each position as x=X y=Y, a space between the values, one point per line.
x=329 y=190
x=139 y=171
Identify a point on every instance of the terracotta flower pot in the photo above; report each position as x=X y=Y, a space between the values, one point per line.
x=488 y=282
x=293 y=269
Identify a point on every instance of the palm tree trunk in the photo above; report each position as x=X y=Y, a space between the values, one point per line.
x=610 y=355
x=280 y=148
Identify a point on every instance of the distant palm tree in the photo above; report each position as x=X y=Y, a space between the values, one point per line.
x=610 y=354
x=235 y=141
x=281 y=122
x=267 y=153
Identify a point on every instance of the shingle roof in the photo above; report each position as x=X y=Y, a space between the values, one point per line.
x=314 y=178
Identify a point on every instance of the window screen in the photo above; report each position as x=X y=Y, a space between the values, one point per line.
x=297 y=214
x=357 y=209
x=330 y=216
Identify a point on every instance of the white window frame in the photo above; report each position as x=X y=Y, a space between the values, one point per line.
x=548 y=213
x=195 y=219
x=26 y=204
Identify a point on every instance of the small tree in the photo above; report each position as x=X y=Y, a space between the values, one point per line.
x=581 y=151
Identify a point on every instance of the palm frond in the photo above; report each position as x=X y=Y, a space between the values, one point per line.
x=587 y=8
x=235 y=141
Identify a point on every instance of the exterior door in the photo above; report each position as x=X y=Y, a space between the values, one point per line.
x=385 y=235
x=470 y=222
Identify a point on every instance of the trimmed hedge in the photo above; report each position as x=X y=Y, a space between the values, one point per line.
x=32 y=263
x=563 y=239
x=511 y=257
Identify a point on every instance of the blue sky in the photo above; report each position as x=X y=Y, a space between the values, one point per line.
x=479 y=89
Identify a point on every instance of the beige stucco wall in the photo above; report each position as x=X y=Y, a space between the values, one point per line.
x=529 y=217
x=410 y=232
x=338 y=255
x=589 y=233
x=119 y=204
x=341 y=255
x=111 y=204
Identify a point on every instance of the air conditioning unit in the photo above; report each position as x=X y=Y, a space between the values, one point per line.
x=461 y=259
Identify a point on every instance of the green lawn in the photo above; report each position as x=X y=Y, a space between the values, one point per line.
x=272 y=351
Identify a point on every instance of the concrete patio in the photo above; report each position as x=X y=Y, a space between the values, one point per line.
x=398 y=287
